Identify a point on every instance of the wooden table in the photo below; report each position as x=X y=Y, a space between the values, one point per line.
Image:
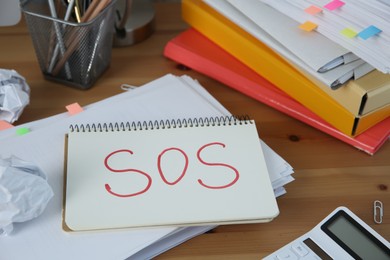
x=328 y=172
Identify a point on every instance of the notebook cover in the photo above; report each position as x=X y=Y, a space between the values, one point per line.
x=171 y=173
x=195 y=51
x=274 y=68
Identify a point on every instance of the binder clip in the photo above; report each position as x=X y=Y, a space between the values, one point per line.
x=378 y=212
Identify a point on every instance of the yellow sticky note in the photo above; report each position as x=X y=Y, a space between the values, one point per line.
x=313 y=10
x=74 y=108
x=308 y=26
x=5 y=125
x=348 y=32
x=22 y=131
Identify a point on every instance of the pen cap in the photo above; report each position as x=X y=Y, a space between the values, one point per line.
x=72 y=39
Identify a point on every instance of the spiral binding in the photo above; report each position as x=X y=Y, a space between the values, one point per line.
x=162 y=124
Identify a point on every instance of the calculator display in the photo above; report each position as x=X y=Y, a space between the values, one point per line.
x=354 y=238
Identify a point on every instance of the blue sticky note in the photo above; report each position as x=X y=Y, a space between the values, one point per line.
x=369 y=32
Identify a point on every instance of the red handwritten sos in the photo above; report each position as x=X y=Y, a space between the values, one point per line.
x=161 y=173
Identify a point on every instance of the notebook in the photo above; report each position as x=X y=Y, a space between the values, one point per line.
x=196 y=171
x=44 y=145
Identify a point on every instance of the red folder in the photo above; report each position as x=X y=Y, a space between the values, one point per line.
x=195 y=51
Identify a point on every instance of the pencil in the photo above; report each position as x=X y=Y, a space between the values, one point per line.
x=56 y=49
x=59 y=37
x=93 y=10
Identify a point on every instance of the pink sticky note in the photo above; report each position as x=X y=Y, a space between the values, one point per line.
x=74 y=108
x=5 y=125
x=313 y=10
x=334 y=5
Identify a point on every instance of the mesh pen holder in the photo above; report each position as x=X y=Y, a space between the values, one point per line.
x=71 y=53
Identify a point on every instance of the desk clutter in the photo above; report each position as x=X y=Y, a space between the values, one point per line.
x=139 y=173
x=24 y=190
x=317 y=79
x=183 y=98
x=72 y=39
x=14 y=96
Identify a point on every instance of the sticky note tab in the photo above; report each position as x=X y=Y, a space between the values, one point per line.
x=74 y=108
x=313 y=10
x=22 y=131
x=308 y=26
x=348 y=32
x=369 y=32
x=333 y=5
x=5 y=125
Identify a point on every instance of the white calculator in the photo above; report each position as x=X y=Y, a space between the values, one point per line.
x=341 y=235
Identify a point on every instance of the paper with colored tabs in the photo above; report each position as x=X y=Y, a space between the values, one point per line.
x=369 y=32
x=348 y=32
x=313 y=10
x=5 y=125
x=334 y=5
x=22 y=131
x=74 y=108
x=308 y=26
x=370 y=44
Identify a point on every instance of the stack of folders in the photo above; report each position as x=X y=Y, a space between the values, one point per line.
x=44 y=145
x=293 y=66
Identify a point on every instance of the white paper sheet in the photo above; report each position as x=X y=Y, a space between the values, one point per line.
x=43 y=238
x=354 y=14
x=309 y=51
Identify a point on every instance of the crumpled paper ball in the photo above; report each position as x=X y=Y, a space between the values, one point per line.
x=14 y=95
x=24 y=192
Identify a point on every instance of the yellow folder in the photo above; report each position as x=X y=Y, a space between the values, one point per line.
x=275 y=69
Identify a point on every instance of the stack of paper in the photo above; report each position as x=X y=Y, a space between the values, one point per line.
x=303 y=64
x=44 y=146
x=195 y=51
x=322 y=58
x=360 y=26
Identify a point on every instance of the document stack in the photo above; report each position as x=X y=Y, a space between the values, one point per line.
x=46 y=235
x=322 y=62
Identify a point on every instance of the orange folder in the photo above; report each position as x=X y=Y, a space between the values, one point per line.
x=194 y=50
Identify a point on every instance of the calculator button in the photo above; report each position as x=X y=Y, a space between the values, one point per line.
x=286 y=255
x=300 y=249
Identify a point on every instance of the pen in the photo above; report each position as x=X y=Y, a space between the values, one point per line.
x=59 y=37
x=66 y=18
x=93 y=10
x=77 y=10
